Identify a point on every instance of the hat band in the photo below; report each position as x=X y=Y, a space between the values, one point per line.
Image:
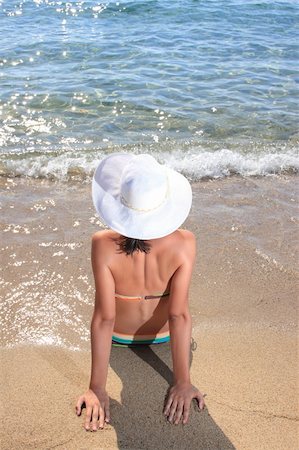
x=128 y=205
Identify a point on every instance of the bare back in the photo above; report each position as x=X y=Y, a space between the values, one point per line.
x=142 y=274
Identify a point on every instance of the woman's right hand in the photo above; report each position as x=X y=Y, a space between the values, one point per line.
x=97 y=408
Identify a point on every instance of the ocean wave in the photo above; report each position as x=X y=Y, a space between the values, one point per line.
x=194 y=164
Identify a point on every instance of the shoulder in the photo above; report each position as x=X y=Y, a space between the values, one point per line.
x=187 y=235
x=102 y=243
x=187 y=239
x=101 y=235
x=104 y=236
x=183 y=245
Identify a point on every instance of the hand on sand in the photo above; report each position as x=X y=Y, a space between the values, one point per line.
x=179 y=401
x=97 y=408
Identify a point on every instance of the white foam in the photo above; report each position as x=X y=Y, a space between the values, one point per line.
x=223 y=163
x=195 y=164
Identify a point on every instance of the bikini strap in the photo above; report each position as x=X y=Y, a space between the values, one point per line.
x=145 y=297
x=156 y=296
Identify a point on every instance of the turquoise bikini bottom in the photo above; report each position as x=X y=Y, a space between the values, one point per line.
x=121 y=341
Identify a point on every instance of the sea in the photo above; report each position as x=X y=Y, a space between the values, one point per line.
x=207 y=87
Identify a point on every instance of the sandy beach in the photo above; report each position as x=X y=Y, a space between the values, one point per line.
x=243 y=300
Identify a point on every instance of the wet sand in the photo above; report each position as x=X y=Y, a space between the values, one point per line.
x=243 y=300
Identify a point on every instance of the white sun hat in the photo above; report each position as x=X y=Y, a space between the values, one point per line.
x=139 y=198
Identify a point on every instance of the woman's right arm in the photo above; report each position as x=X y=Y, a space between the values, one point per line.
x=102 y=323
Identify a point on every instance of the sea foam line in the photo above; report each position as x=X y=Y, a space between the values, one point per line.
x=196 y=165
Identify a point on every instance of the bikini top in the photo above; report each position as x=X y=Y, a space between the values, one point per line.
x=141 y=297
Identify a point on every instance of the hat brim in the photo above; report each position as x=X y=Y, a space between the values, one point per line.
x=154 y=224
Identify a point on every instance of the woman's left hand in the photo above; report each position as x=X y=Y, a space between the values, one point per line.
x=179 y=401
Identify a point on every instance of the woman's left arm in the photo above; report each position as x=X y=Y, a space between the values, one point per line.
x=182 y=392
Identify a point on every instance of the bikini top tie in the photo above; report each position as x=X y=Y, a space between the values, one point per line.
x=139 y=297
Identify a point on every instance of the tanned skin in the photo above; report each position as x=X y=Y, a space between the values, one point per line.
x=168 y=266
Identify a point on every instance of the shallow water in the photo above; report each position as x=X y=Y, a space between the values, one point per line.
x=209 y=87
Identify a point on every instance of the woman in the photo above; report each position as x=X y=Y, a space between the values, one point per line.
x=142 y=268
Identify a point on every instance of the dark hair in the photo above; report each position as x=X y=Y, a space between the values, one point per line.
x=130 y=245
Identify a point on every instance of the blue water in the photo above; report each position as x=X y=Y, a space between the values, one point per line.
x=207 y=86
